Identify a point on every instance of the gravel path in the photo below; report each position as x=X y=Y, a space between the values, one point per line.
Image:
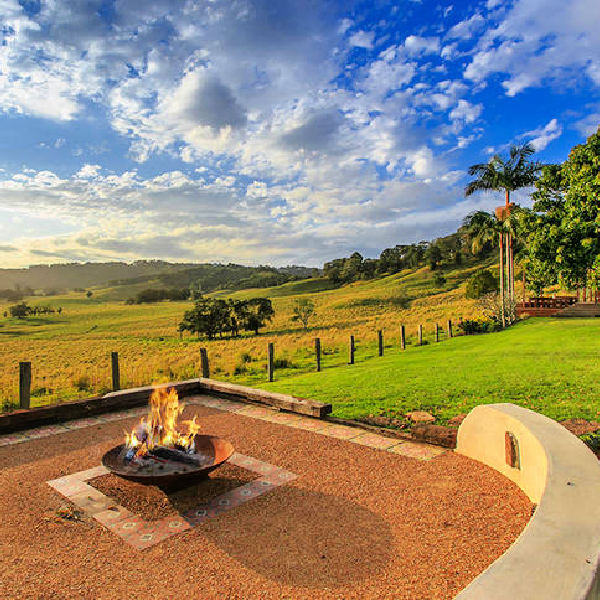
x=357 y=523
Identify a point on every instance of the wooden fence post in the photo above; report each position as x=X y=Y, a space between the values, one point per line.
x=380 y=342
x=420 y=335
x=24 y=384
x=116 y=379
x=437 y=333
x=270 y=361
x=449 y=328
x=318 y=352
x=204 y=363
x=351 y=351
x=402 y=337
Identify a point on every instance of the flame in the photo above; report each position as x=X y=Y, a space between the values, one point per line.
x=160 y=427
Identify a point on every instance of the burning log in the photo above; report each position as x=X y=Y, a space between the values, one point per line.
x=179 y=456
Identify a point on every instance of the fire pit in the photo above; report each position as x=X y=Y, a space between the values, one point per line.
x=160 y=452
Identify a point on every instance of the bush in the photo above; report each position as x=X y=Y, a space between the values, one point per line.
x=83 y=384
x=439 y=280
x=283 y=363
x=471 y=326
x=483 y=282
x=245 y=357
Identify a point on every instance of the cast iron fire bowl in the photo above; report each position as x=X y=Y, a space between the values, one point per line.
x=171 y=470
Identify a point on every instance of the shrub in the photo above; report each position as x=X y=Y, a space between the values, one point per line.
x=283 y=363
x=245 y=357
x=439 y=280
x=483 y=282
x=471 y=326
x=83 y=384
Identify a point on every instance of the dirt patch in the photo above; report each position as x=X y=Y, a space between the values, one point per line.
x=151 y=503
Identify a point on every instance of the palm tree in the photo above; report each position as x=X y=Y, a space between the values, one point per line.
x=483 y=228
x=508 y=175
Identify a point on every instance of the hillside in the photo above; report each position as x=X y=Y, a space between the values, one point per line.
x=123 y=278
x=70 y=352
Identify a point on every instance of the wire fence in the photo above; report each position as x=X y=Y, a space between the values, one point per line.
x=97 y=377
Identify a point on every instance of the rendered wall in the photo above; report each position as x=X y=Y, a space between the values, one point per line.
x=557 y=554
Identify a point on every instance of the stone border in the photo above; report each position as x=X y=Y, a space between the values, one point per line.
x=558 y=553
x=126 y=399
x=142 y=534
x=355 y=435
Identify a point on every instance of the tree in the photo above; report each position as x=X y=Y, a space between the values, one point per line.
x=566 y=240
x=258 y=312
x=483 y=282
x=507 y=175
x=484 y=229
x=205 y=318
x=433 y=255
x=19 y=310
x=304 y=309
x=89 y=293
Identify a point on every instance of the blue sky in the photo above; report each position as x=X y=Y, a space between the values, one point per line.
x=279 y=132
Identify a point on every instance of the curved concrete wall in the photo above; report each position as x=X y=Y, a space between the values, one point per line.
x=557 y=556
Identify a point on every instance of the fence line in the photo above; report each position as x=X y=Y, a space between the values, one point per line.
x=32 y=388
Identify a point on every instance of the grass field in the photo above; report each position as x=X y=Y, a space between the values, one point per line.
x=70 y=353
x=548 y=365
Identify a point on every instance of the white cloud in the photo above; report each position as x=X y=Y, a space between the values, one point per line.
x=589 y=124
x=540 y=40
x=362 y=39
x=415 y=44
x=542 y=136
x=465 y=29
x=88 y=171
x=465 y=111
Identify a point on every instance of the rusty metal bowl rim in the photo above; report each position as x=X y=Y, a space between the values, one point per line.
x=188 y=476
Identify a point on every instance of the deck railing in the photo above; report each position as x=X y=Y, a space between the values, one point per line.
x=557 y=302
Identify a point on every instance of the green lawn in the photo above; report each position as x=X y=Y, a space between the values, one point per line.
x=548 y=365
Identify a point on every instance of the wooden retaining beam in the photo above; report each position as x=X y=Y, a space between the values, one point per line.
x=132 y=398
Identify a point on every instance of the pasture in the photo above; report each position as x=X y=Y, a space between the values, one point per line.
x=70 y=352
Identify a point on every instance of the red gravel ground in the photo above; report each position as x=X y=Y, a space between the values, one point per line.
x=357 y=523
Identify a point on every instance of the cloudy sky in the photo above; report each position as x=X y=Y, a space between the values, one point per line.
x=261 y=131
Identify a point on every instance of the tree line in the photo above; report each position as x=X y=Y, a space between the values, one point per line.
x=210 y=317
x=22 y=310
x=443 y=251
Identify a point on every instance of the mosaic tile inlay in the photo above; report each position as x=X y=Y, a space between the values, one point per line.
x=142 y=534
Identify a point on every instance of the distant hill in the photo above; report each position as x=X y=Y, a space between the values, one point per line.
x=156 y=273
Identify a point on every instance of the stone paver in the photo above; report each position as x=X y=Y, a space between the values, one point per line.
x=418 y=451
x=374 y=440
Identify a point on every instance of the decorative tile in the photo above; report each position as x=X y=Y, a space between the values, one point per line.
x=91 y=473
x=418 y=451
x=342 y=432
x=374 y=440
x=285 y=418
x=69 y=487
x=255 y=411
x=311 y=424
x=13 y=438
x=142 y=534
x=112 y=515
x=91 y=500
